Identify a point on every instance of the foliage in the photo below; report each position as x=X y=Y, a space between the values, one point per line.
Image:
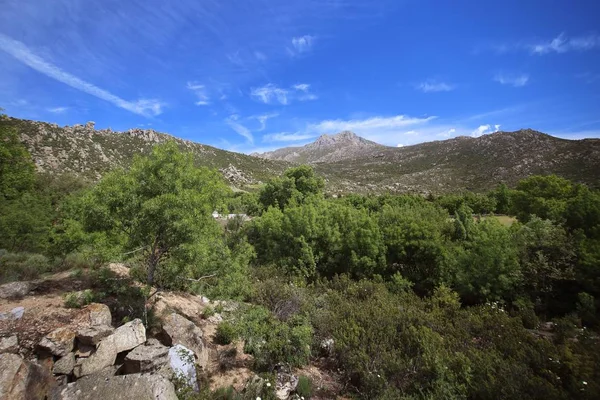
x=296 y=185
x=162 y=208
x=272 y=341
x=225 y=333
x=79 y=299
x=304 y=388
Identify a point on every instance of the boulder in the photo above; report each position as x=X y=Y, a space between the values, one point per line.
x=105 y=356
x=129 y=336
x=65 y=365
x=188 y=305
x=181 y=361
x=14 y=314
x=9 y=344
x=179 y=330
x=123 y=387
x=92 y=335
x=16 y=290
x=84 y=350
x=59 y=342
x=99 y=314
x=149 y=357
x=286 y=384
x=20 y=379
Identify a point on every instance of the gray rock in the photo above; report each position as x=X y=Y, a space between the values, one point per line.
x=20 y=379
x=59 y=342
x=17 y=312
x=179 y=330
x=84 y=350
x=105 y=356
x=65 y=365
x=123 y=387
x=286 y=384
x=92 y=335
x=149 y=357
x=129 y=336
x=99 y=314
x=16 y=290
x=9 y=344
x=181 y=361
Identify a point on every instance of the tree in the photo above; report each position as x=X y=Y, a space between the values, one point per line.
x=17 y=171
x=544 y=196
x=161 y=208
x=297 y=184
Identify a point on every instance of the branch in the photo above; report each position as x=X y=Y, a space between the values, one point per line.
x=136 y=250
x=199 y=279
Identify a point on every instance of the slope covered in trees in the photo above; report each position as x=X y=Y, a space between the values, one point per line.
x=414 y=297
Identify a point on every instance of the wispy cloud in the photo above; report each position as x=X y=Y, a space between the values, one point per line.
x=144 y=107
x=430 y=86
x=287 y=137
x=301 y=44
x=563 y=44
x=516 y=80
x=262 y=119
x=589 y=77
x=240 y=129
x=368 y=125
x=200 y=91
x=58 y=110
x=271 y=93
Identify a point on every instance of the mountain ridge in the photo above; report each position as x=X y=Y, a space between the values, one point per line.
x=442 y=166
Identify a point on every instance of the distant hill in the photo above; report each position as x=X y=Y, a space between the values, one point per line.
x=327 y=148
x=85 y=151
x=348 y=162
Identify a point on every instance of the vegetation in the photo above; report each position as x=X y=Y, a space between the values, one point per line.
x=409 y=297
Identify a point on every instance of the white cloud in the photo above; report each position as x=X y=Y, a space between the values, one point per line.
x=260 y=56
x=58 y=110
x=303 y=87
x=270 y=93
x=262 y=119
x=240 y=129
x=200 y=91
x=145 y=107
x=287 y=137
x=368 y=125
x=563 y=44
x=516 y=80
x=484 y=129
x=430 y=86
x=302 y=44
x=399 y=145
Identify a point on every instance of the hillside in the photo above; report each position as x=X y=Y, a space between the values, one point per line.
x=86 y=151
x=348 y=162
x=327 y=148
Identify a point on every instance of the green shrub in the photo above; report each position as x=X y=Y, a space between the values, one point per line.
x=22 y=266
x=271 y=341
x=79 y=299
x=305 y=387
x=208 y=312
x=225 y=333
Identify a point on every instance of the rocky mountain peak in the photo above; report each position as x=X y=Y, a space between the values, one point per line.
x=345 y=137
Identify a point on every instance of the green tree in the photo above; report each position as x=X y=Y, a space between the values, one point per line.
x=17 y=171
x=161 y=207
x=544 y=196
x=297 y=184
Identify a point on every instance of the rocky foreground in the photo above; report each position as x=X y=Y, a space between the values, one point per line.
x=48 y=351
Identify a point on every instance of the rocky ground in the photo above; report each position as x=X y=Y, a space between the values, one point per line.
x=49 y=351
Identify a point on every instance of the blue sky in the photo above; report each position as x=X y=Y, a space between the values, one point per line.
x=254 y=75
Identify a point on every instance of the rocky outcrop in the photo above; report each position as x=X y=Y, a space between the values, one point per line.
x=179 y=330
x=59 y=342
x=65 y=365
x=181 y=362
x=16 y=290
x=124 y=387
x=99 y=314
x=92 y=335
x=148 y=357
x=129 y=336
x=9 y=344
x=21 y=379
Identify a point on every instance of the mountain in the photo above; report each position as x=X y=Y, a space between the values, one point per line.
x=467 y=163
x=327 y=148
x=348 y=162
x=88 y=152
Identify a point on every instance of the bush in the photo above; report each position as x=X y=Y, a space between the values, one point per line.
x=305 y=387
x=271 y=341
x=22 y=266
x=208 y=312
x=225 y=333
x=79 y=299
